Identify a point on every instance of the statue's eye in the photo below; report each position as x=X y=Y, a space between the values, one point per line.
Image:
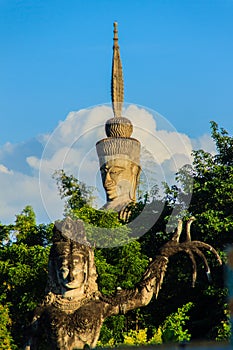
x=76 y=261
x=116 y=171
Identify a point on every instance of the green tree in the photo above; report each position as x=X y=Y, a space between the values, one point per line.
x=172 y=328
x=212 y=205
x=130 y=263
x=212 y=192
x=6 y=341
x=23 y=270
x=77 y=193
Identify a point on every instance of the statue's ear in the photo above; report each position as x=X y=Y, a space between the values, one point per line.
x=136 y=170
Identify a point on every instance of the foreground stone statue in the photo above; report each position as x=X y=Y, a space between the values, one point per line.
x=73 y=310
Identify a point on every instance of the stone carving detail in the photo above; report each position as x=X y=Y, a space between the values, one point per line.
x=117 y=86
x=73 y=310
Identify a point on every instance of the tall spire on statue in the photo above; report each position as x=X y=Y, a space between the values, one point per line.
x=117 y=86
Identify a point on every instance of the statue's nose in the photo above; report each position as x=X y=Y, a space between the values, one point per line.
x=71 y=275
x=108 y=180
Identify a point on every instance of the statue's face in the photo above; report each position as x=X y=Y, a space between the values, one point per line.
x=71 y=270
x=118 y=177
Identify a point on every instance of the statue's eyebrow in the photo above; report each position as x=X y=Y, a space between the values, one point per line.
x=77 y=257
x=117 y=167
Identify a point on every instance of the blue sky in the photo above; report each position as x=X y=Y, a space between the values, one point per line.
x=56 y=58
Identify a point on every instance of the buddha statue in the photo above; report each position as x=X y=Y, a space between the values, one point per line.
x=120 y=171
x=119 y=153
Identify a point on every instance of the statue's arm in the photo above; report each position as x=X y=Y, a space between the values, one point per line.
x=126 y=300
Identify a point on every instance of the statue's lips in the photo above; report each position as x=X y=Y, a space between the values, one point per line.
x=111 y=190
x=110 y=187
x=72 y=285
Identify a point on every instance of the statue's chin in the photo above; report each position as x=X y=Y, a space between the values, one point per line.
x=117 y=193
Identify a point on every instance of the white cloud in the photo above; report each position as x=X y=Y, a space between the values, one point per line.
x=17 y=191
x=5 y=170
x=204 y=142
x=71 y=146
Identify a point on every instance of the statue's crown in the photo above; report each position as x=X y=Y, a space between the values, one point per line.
x=69 y=230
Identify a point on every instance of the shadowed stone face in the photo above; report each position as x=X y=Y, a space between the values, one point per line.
x=120 y=178
x=71 y=268
x=71 y=272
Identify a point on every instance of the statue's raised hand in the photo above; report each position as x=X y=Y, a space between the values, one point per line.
x=156 y=270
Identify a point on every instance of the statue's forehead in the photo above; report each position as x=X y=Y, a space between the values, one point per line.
x=75 y=257
x=78 y=255
x=117 y=162
x=67 y=250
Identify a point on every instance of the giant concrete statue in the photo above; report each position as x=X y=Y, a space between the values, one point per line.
x=119 y=153
x=73 y=310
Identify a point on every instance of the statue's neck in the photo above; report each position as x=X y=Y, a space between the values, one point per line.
x=118 y=204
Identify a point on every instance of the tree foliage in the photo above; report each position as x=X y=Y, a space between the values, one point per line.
x=76 y=193
x=212 y=192
x=6 y=341
x=23 y=270
x=171 y=330
x=212 y=205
